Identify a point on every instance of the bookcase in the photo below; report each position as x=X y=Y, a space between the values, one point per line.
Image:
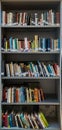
x=30 y=59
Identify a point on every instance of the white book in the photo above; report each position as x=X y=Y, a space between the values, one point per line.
x=11 y=69
x=7 y=70
x=3 y=17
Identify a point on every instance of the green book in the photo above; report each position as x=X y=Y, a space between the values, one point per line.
x=44 y=119
x=8 y=121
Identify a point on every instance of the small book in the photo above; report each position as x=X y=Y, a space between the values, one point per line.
x=36 y=42
x=7 y=70
x=6 y=119
x=10 y=43
x=22 y=96
x=42 y=94
x=30 y=121
x=17 y=94
x=36 y=95
x=44 y=119
x=4 y=95
x=42 y=122
x=20 y=120
x=4 y=17
x=33 y=118
x=27 y=95
x=24 y=120
x=38 y=121
x=40 y=69
x=56 y=69
x=16 y=121
x=11 y=69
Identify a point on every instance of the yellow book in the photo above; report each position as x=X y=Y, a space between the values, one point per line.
x=44 y=119
x=36 y=42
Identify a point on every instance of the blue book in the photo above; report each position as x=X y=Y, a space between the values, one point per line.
x=25 y=122
x=48 y=44
x=22 y=94
x=50 y=70
x=58 y=43
x=43 y=44
x=10 y=120
x=11 y=43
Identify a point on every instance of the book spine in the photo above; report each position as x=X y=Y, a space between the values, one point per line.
x=36 y=42
x=7 y=70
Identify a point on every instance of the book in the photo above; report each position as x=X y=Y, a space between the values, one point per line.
x=21 y=124
x=48 y=44
x=10 y=43
x=24 y=121
x=36 y=95
x=34 y=121
x=36 y=42
x=11 y=69
x=50 y=70
x=41 y=120
x=56 y=69
x=4 y=95
x=16 y=121
x=42 y=94
x=6 y=119
x=27 y=94
x=30 y=121
x=44 y=119
x=22 y=94
x=38 y=121
x=17 y=94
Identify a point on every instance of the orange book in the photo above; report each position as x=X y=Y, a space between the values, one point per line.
x=36 y=95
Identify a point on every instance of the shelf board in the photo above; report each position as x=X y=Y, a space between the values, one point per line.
x=28 y=78
x=31 y=26
x=52 y=126
x=29 y=53
x=46 y=102
x=30 y=1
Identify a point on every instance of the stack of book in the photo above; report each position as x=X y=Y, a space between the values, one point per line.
x=37 y=44
x=32 y=69
x=24 y=18
x=24 y=120
x=22 y=95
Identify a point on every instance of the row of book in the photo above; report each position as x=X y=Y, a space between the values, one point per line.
x=22 y=95
x=24 y=120
x=37 y=44
x=25 y=18
x=32 y=69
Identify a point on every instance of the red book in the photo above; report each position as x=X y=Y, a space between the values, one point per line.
x=6 y=119
x=56 y=69
x=3 y=119
x=4 y=96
